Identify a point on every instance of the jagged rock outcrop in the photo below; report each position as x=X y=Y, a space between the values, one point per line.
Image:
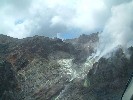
x=85 y=46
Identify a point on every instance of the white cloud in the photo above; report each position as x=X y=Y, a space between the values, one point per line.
x=49 y=17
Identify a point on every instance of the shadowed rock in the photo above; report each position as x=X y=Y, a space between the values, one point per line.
x=8 y=81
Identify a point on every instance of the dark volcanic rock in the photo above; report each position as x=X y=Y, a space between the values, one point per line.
x=8 y=81
x=21 y=63
x=43 y=46
x=3 y=48
x=107 y=79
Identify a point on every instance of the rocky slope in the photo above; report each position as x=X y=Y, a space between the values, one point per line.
x=108 y=77
x=105 y=81
x=42 y=68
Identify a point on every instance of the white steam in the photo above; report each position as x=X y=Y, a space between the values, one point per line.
x=118 y=30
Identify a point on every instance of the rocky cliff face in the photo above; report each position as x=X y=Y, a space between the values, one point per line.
x=41 y=68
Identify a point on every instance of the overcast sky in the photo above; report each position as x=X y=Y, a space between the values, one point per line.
x=62 y=18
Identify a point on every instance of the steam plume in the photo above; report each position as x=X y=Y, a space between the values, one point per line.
x=118 y=30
